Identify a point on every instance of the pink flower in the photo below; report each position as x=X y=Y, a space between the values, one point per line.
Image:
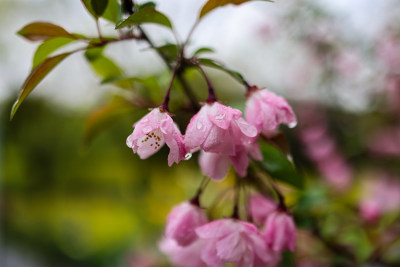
x=267 y=111
x=150 y=134
x=280 y=232
x=233 y=241
x=370 y=211
x=385 y=141
x=182 y=222
x=217 y=128
x=182 y=256
x=216 y=165
x=379 y=196
x=260 y=208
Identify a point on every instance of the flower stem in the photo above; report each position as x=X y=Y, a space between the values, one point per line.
x=164 y=106
x=196 y=199
x=211 y=93
x=235 y=213
x=186 y=87
x=281 y=198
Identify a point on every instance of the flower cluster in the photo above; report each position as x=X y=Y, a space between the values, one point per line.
x=229 y=240
x=224 y=138
x=221 y=133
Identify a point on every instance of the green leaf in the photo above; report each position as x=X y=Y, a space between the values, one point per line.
x=99 y=6
x=146 y=15
x=88 y=6
x=147 y=4
x=102 y=65
x=170 y=51
x=39 y=31
x=279 y=167
x=113 y=11
x=48 y=47
x=213 y=64
x=287 y=259
x=203 y=50
x=212 y=4
x=35 y=77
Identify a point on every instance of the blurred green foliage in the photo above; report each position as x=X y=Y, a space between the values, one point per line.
x=83 y=205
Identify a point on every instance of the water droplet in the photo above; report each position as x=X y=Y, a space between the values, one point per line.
x=199 y=125
x=188 y=156
x=145 y=120
x=220 y=116
x=147 y=129
x=293 y=124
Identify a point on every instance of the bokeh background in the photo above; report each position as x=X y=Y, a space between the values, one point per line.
x=73 y=194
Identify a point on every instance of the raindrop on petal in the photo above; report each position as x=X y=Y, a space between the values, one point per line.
x=292 y=125
x=188 y=156
x=199 y=125
x=220 y=116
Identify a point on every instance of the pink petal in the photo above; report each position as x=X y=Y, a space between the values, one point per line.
x=216 y=229
x=214 y=165
x=209 y=254
x=174 y=141
x=260 y=208
x=240 y=161
x=219 y=141
x=150 y=143
x=254 y=151
x=246 y=128
x=182 y=221
x=222 y=115
x=198 y=129
x=148 y=123
x=260 y=249
x=180 y=256
x=231 y=248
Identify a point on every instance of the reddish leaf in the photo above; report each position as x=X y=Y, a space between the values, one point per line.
x=40 y=31
x=105 y=116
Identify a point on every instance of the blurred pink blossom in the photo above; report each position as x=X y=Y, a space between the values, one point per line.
x=393 y=92
x=182 y=256
x=388 y=50
x=347 y=63
x=260 y=208
x=280 y=232
x=182 y=221
x=233 y=241
x=385 y=141
x=322 y=149
x=379 y=196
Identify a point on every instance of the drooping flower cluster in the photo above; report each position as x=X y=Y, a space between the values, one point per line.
x=219 y=131
x=229 y=240
x=224 y=138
